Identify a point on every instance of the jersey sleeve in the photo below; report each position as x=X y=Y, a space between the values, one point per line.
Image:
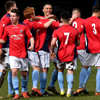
x=1 y=32
x=28 y=33
x=82 y=42
x=55 y=25
x=5 y=36
x=37 y=25
x=6 y=20
x=81 y=29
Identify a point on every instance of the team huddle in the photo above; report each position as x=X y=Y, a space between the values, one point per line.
x=39 y=39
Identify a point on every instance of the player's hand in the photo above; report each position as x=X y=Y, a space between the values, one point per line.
x=1 y=52
x=52 y=55
x=31 y=48
x=74 y=16
x=49 y=16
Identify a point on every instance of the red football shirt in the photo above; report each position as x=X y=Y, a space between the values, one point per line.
x=66 y=36
x=92 y=29
x=5 y=20
x=33 y=25
x=16 y=35
x=43 y=36
x=78 y=24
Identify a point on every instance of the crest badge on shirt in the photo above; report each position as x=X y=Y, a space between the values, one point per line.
x=21 y=31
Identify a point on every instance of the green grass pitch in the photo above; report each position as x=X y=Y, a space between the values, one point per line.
x=90 y=86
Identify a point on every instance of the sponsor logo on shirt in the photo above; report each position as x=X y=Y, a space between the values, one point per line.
x=15 y=27
x=17 y=37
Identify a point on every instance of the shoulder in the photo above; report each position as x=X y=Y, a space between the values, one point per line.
x=73 y=29
x=7 y=15
x=8 y=25
x=21 y=23
x=59 y=28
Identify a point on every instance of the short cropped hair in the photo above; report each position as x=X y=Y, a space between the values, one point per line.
x=96 y=9
x=65 y=15
x=28 y=11
x=16 y=11
x=77 y=10
x=47 y=3
x=9 y=4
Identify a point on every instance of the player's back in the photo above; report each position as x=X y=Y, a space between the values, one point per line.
x=6 y=19
x=92 y=28
x=78 y=24
x=66 y=42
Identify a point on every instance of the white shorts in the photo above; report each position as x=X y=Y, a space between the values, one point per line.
x=89 y=59
x=33 y=58
x=20 y=63
x=55 y=58
x=69 y=65
x=44 y=58
x=6 y=60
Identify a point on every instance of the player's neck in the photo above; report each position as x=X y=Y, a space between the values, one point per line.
x=95 y=14
x=8 y=12
x=15 y=23
x=29 y=19
x=65 y=23
x=45 y=16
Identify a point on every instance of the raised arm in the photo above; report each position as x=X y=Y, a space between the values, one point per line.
x=47 y=24
x=74 y=16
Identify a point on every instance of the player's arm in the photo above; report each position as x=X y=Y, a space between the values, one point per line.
x=77 y=40
x=39 y=25
x=36 y=18
x=4 y=37
x=53 y=43
x=47 y=24
x=32 y=44
x=2 y=41
x=30 y=37
x=1 y=34
x=74 y=16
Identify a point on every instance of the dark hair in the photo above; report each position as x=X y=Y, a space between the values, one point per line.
x=47 y=3
x=9 y=4
x=65 y=15
x=76 y=9
x=16 y=11
x=96 y=8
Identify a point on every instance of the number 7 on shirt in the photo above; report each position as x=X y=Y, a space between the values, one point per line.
x=67 y=36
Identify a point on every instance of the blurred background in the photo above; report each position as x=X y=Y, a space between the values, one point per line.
x=58 y=6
